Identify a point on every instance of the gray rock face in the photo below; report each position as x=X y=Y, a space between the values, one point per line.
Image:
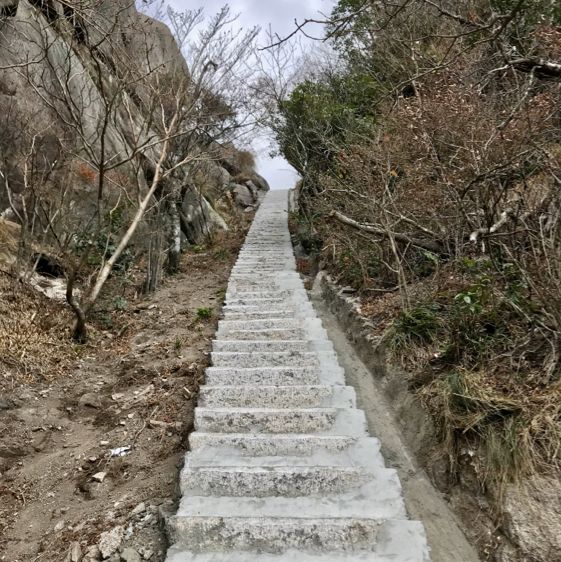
x=281 y=467
x=200 y=216
x=532 y=516
x=130 y=555
x=243 y=196
x=261 y=182
x=110 y=541
x=130 y=49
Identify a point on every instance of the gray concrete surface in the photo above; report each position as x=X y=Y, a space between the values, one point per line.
x=281 y=466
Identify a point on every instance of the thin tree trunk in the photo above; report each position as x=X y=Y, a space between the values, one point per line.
x=432 y=246
x=110 y=263
x=174 y=252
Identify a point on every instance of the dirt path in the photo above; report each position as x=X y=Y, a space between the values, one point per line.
x=62 y=480
x=423 y=501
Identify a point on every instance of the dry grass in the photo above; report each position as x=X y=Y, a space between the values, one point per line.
x=34 y=335
x=513 y=430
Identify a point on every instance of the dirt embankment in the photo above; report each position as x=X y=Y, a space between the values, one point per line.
x=92 y=442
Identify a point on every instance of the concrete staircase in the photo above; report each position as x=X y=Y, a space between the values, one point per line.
x=281 y=467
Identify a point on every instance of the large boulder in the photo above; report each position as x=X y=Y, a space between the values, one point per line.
x=10 y=233
x=199 y=217
x=260 y=182
x=213 y=179
x=532 y=520
x=61 y=96
x=243 y=196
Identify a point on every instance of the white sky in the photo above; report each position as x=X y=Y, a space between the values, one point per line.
x=280 y=14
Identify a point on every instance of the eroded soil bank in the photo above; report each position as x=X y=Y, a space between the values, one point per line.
x=64 y=481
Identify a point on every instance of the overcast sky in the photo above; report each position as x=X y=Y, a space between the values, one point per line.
x=280 y=14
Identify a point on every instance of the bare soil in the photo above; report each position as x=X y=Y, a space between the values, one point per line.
x=62 y=481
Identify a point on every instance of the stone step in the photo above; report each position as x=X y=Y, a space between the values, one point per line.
x=296 y=396
x=256 y=301
x=271 y=324
x=289 y=444
x=264 y=359
x=261 y=261
x=396 y=541
x=276 y=535
x=260 y=314
x=252 y=265
x=291 y=304
x=256 y=270
x=267 y=376
x=211 y=449
x=314 y=492
x=330 y=421
x=273 y=481
x=257 y=307
x=262 y=335
x=258 y=294
x=233 y=345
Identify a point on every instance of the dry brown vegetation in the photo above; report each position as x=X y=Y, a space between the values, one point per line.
x=64 y=406
x=434 y=190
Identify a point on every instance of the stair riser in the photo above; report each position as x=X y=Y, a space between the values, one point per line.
x=257 y=396
x=255 y=302
x=271 y=445
x=261 y=484
x=263 y=359
x=269 y=335
x=226 y=326
x=276 y=536
x=233 y=346
x=259 y=315
x=281 y=422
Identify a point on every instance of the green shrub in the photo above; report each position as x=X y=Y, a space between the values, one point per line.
x=421 y=325
x=204 y=313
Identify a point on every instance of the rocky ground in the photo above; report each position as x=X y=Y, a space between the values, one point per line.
x=89 y=458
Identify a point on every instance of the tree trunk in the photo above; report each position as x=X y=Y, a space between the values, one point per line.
x=174 y=252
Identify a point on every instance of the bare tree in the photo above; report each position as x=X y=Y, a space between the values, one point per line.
x=127 y=119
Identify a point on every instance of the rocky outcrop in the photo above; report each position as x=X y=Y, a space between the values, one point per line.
x=78 y=86
x=531 y=516
x=9 y=242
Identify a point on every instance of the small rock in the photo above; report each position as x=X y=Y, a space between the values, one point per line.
x=59 y=526
x=99 y=477
x=110 y=541
x=140 y=508
x=6 y=404
x=93 y=552
x=146 y=553
x=75 y=552
x=91 y=400
x=91 y=490
x=130 y=555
